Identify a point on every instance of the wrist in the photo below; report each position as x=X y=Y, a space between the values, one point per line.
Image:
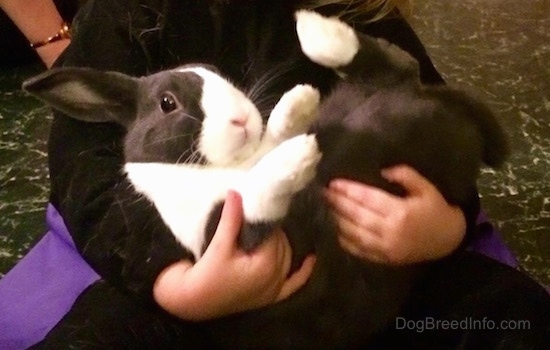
x=49 y=53
x=51 y=47
x=63 y=32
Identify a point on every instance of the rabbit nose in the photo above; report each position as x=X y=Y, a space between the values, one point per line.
x=239 y=121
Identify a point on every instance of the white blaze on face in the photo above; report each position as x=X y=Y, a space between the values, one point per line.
x=232 y=125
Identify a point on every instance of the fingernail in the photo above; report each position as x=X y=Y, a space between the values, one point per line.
x=386 y=173
x=232 y=195
x=335 y=184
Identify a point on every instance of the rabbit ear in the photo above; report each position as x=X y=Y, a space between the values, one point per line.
x=87 y=94
x=496 y=148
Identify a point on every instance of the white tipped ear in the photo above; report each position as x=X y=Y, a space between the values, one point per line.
x=326 y=40
x=87 y=94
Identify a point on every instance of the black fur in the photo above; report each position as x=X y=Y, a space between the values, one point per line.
x=381 y=115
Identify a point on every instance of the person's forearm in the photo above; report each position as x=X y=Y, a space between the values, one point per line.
x=38 y=20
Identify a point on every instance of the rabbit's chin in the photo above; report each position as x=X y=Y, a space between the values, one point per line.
x=230 y=148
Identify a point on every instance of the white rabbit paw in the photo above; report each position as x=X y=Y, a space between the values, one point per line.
x=273 y=181
x=292 y=164
x=294 y=113
x=326 y=40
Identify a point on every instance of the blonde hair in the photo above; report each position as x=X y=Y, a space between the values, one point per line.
x=373 y=9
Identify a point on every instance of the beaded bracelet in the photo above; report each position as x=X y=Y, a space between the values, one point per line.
x=63 y=33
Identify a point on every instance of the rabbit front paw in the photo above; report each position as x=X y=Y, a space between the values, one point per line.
x=270 y=185
x=294 y=113
x=291 y=165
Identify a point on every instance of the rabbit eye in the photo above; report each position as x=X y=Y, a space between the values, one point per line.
x=168 y=103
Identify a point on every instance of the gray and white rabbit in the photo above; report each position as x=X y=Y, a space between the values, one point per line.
x=191 y=136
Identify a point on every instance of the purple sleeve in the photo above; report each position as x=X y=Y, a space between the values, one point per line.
x=488 y=241
x=42 y=287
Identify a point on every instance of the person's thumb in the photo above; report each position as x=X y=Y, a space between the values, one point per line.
x=230 y=222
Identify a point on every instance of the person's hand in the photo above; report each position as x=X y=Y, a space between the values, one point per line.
x=378 y=226
x=226 y=279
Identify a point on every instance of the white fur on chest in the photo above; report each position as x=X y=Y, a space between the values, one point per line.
x=183 y=195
